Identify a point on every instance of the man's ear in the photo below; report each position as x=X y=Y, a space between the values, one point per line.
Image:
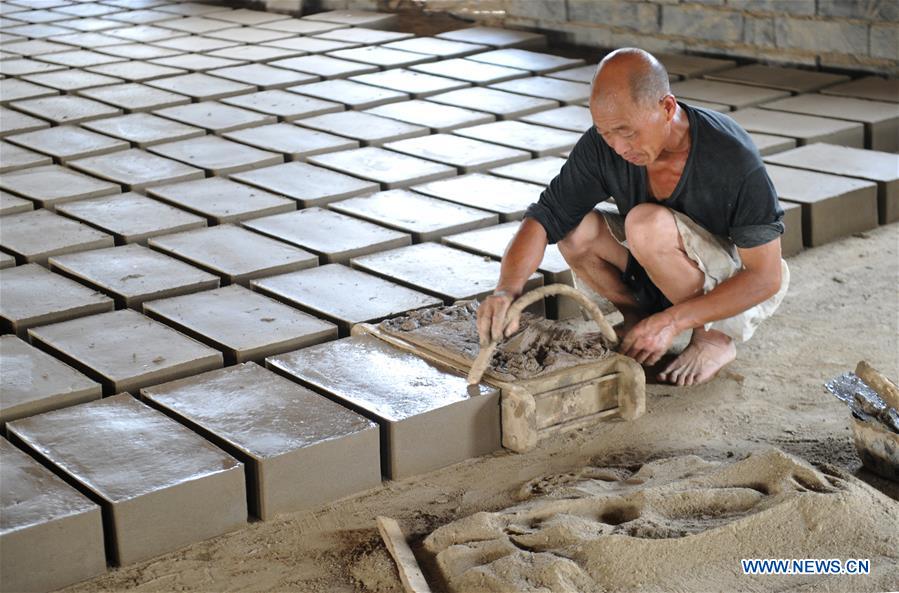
x=670 y=105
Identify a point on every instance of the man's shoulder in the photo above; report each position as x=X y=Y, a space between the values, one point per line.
x=719 y=135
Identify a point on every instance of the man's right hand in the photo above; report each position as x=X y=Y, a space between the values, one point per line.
x=492 y=316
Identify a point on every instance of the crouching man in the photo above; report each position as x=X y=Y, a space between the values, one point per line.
x=695 y=242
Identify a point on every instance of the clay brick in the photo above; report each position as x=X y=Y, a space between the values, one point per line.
x=791 y=240
x=216 y=117
x=292 y=141
x=14 y=158
x=806 y=129
x=201 y=87
x=471 y=71
x=353 y=95
x=333 y=292
x=244 y=325
x=391 y=169
x=573 y=118
x=506 y=197
x=438 y=118
x=132 y=274
x=15 y=89
x=880 y=167
x=768 y=144
x=137 y=71
x=33 y=382
x=492 y=242
x=356 y=18
x=426 y=218
x=736 y=96
x=217 y=156
x=382 y=57
x=307 y=184
x=334 y=237
x=466 y=154
x=300 y=449
x=10 y=204
x=311 y=45
x=539 y=171
x=363 y=35
x=124 y=350
x=134 y=97
x=263 y=76
x=186 y=490
x=65 y=143
x=197 y=63
x=52 y=184
x=301 y=27
x=235 y=254
x=416 y=84
x=424 y=267
x=71 y=80
x=832 y=206
x=881 y=120
x=325 y=66
x=434 y=46
x=136 y=169
x=131 y=217
x=874 y=88
x=539 y=140
x=502 y=104
x=52 y=536
x=366 y=128
x=16 y=122
x=33 y=296
x=35 y=236
x=351 y=371
x=536 y=62
x=794 y=80
x=144 y=129
x=222 y=200
x=496 y=37
x=65 y=109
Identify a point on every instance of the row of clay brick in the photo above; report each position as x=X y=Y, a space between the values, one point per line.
x=243 y=439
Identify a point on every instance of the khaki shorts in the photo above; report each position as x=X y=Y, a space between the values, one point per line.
x=719 y=260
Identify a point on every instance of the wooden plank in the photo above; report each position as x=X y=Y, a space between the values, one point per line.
x=410 y=573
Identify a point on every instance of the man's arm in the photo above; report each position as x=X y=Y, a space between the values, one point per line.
x=759 y=280
x=521 y=259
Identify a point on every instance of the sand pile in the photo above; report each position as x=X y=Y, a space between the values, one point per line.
x=678 y=524
x=540 y=346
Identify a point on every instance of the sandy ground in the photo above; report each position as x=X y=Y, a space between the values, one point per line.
x=841 y=307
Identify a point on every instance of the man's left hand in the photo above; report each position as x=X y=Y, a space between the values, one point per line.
x=650 y=339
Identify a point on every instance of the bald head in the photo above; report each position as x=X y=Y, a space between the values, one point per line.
x=630 y=73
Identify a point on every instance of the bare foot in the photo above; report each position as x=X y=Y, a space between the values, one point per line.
x=707 y=353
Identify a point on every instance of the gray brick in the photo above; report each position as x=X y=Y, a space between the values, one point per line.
x=649 y=42
x=643 y=17
x=758 y=31
x=702 y=23
x=586 y=35
x=796 y=7
x=885 y=41
x=284 y=5
x=547 y=10
x=822 y=36
x=870 y=10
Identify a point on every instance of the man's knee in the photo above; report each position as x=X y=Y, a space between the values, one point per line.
x=651 y=231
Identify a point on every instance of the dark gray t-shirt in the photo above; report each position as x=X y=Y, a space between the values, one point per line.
x=724 y=186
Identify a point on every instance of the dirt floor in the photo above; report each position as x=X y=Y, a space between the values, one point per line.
x=841 y=307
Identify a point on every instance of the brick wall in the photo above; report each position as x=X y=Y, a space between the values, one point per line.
x=856 y=34
x=852 y=34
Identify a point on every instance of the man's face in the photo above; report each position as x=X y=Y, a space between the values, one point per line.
x=637 y=133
